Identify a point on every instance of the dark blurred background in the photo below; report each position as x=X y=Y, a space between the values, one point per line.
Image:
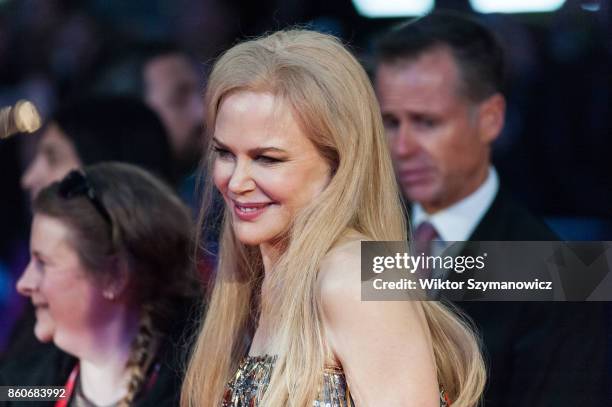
x=553 y=153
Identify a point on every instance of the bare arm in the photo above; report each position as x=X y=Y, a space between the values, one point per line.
x=384 y=347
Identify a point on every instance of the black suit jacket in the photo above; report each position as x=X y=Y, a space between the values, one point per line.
x=539 y=353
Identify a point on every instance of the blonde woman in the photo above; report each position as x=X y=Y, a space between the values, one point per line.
x=298 y=153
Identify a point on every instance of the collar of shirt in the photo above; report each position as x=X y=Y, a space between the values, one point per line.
x=457 y=222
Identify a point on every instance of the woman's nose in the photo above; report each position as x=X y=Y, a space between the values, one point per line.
x=29 y=281
x=241 y=180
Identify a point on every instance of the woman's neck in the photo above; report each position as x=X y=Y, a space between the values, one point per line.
x=260 y=344
x=103 y=374
x=270 y=253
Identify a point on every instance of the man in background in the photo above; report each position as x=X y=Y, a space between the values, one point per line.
x=172 y=88
x=439 y=81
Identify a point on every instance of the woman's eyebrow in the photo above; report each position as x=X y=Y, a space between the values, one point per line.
x=253 y=151
x=263 y=150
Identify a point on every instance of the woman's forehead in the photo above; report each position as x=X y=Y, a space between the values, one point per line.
x=256 y=119
x=50 y=236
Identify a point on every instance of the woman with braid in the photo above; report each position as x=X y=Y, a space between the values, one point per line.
x=110 y=276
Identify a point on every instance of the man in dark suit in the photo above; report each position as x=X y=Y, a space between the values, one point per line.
x=439 y=83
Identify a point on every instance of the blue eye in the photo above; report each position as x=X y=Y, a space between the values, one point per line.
x=268 y=160
x=222 y=153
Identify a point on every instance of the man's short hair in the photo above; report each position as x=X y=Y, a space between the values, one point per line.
x=475 y=49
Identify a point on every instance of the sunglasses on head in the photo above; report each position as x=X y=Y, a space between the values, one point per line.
x=77 y=184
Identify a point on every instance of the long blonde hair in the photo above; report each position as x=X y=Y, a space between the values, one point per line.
x=332 y=99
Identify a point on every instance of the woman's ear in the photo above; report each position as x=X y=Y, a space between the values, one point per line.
x=116 y=279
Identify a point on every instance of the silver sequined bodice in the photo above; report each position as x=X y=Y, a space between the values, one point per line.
x=248 y=385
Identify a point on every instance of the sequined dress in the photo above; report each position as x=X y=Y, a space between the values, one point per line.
x=249 y=384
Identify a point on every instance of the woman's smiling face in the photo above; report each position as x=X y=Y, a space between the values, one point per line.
x=70 y=307
x=265 y=166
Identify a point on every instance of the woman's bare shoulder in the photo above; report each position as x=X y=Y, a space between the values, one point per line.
x=355 y=332
x=340 y=269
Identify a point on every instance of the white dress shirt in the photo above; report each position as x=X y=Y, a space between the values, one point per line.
x=457 y=222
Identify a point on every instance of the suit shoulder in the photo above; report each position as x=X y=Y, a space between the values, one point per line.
x=509 y=220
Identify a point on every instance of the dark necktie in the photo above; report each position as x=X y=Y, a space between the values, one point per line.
x=423 y=236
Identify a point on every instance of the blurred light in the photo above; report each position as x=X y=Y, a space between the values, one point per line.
x=590 y=6
x=23 y=117
x=516 y=6
x=393 y=8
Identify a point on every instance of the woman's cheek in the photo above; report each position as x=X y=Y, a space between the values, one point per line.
x=221 y=175
x=276 y=183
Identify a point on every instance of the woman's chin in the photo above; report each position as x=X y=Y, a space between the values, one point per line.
x=249 y=241
x=250 y=236
x=43 y=333
x=258 y=240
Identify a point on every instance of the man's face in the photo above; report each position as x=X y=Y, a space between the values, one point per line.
x=439 y=149
x=173 y=91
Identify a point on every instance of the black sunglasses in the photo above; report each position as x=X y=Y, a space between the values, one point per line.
x=75 y=184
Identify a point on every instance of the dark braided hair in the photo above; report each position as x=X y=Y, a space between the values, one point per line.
x=141 y=357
